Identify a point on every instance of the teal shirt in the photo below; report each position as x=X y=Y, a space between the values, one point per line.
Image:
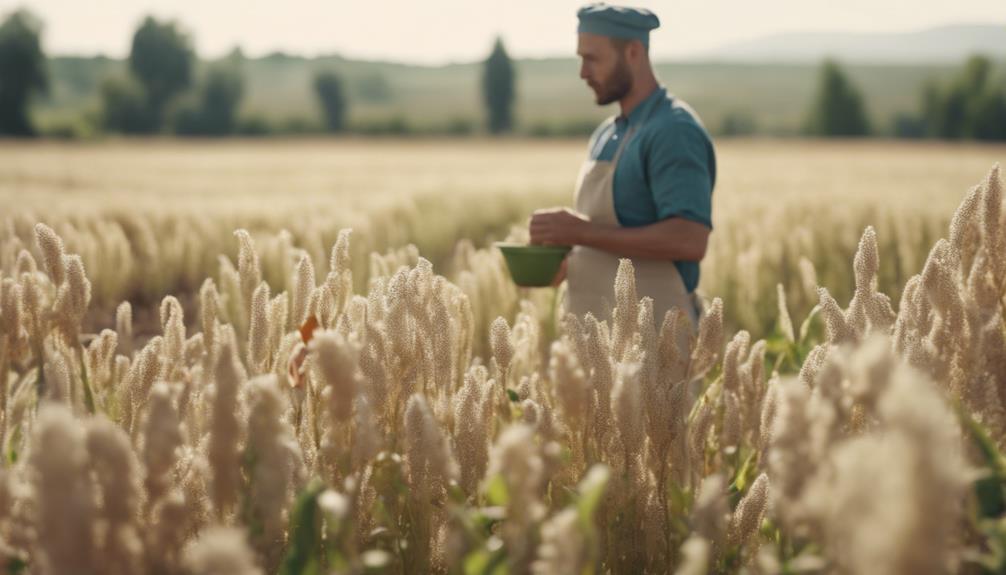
x=667 y=169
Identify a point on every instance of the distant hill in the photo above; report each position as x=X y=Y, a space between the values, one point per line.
x=774 y=97
x=945 y=44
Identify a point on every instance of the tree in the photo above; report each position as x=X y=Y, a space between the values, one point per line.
x=498 y=89
x=124 y=106
x=987 y=115
x=162 y=60
x=952 y=114
x=981 y=100
x=22 y=71
x=222 y=97
x=838 y=109
x=932 y=107
x=971 y=106
x=214 y=109
x=332 y=96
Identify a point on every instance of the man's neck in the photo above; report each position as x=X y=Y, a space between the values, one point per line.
x=639 y=92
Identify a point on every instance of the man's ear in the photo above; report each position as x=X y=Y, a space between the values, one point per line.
x=635 y=51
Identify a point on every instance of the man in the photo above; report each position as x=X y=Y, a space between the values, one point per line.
x=645 y=190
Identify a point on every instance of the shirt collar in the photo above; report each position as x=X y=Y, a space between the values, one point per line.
x=642 y=110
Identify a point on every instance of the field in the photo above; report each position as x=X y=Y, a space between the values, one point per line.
x=842 y=408
x=177 y=204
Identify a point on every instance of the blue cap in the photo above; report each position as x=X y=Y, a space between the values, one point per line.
x=617 y=22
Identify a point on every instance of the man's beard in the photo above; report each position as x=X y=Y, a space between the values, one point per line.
x=617 y=87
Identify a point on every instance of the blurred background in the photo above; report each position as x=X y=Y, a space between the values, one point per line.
x=263 y=68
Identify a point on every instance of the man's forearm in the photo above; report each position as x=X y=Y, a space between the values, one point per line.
x=671 y=239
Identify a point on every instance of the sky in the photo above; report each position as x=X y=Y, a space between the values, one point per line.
x=442 y=31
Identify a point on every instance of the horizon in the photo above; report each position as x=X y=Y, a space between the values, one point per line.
x=260 y=30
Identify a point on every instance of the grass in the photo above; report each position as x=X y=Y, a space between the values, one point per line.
x=775 y=202
x=617 y=451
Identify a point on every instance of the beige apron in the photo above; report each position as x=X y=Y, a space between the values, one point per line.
x=591 y=272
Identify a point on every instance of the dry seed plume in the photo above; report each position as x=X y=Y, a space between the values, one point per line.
x=148 y=449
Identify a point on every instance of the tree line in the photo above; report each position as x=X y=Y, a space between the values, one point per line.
x=161 y=93
x=971 y=106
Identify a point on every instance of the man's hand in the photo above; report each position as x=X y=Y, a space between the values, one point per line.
x=558 y=227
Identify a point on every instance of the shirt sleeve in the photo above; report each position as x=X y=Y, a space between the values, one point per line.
x=679 y=172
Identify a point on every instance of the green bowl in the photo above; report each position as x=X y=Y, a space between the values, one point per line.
x=533 y=266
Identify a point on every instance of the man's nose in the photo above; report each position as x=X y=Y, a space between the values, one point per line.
x=583 y=72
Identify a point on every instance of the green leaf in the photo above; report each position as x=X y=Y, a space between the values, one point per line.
x=679 y=499
x=485 y=562
x=805 y=327
x=989 y=486
x=512 y=395
x=990 y=453
x=476 y=562
x=591 y=491
x=990 y=555
x=455 y=493
x=743 y=476
x=305 y=533
x=497 y=492
x=16 y=566
x=12 y=441
x=989 y=494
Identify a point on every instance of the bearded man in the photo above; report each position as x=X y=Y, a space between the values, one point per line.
x=645 y=189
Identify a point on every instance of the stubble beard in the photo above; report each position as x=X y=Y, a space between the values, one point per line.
x=617 y=86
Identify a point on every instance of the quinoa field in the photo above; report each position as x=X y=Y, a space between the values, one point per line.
x=306 y=357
